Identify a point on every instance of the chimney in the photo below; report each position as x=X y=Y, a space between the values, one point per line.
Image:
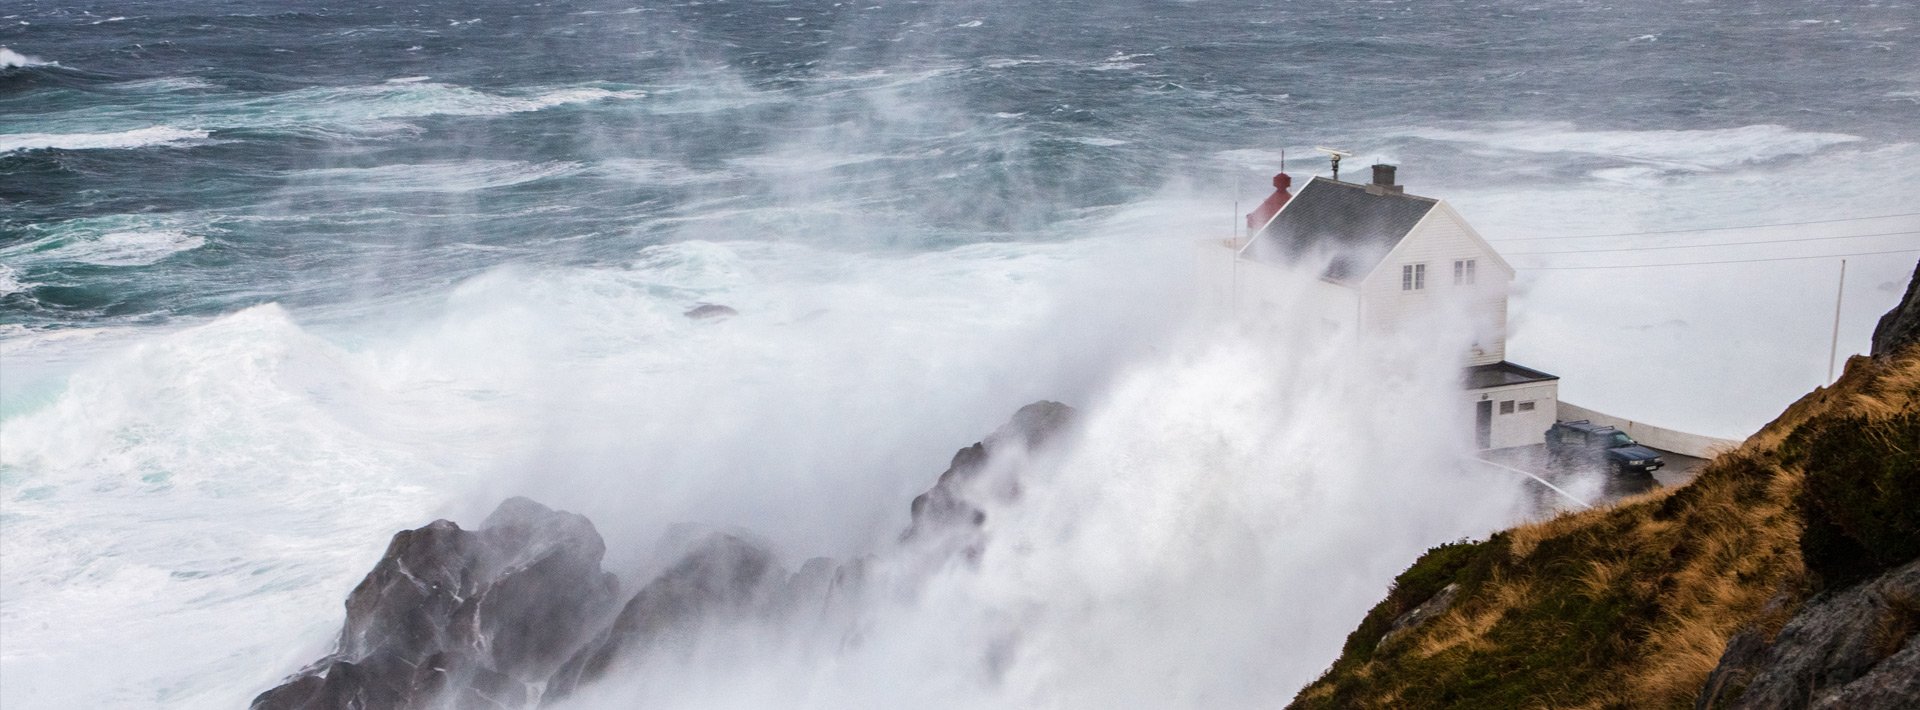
x=1383 y=181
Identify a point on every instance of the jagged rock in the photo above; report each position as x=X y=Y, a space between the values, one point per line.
x=707 y=311
x=491 y=611
x=519 y=613
x=953 y=502
x=723 y=577
x=1857 y=648
x=1900 y=326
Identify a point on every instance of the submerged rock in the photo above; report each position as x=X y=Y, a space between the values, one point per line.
x=709 y=311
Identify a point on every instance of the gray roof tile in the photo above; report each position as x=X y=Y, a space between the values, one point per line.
x=1342 y=222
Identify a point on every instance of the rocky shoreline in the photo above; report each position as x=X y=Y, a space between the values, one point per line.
x=519 y=613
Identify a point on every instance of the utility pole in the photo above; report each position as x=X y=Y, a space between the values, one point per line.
x=1833 y=350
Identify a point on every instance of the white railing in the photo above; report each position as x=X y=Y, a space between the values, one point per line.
x=1679 y=442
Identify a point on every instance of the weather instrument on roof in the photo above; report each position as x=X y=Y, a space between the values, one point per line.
x=1335 y=154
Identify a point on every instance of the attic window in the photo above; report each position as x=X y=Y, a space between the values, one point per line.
x=1413 y=277
x=1463 y=272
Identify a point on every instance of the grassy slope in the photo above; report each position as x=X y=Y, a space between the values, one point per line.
x=1631 y=605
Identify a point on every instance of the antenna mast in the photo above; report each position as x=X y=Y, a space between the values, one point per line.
x=1335 y=155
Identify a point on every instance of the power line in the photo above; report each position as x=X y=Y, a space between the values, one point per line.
x=1708 y=229
x=1725 y=261
x=1713 y=244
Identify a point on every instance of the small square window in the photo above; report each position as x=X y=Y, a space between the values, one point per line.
x=1506 y=407
x=1463 y=272
x=1526 y=406
x=1413 y=277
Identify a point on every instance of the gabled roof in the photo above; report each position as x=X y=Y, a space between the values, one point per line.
x=1340 y=221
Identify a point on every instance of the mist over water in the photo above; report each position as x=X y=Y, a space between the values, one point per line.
x=278 y=281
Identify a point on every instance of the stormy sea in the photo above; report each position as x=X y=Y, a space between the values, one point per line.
x=279 y=279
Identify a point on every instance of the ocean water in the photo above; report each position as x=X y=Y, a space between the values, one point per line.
x=280 y=278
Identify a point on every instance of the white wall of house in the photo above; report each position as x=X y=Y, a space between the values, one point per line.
x=1521 y=413
x=1233 y=286
x=1265 y=288
x=1438 y=242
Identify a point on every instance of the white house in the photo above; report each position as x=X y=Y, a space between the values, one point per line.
x=1391 y=258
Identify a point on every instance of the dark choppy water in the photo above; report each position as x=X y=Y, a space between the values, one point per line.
x=191 y=158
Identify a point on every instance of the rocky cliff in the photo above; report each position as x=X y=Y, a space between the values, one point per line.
x=1902 y=324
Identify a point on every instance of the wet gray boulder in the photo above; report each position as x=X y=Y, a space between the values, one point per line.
x=1900 y=326
x=459 y=618
x=721 y=579
x=1858 y=648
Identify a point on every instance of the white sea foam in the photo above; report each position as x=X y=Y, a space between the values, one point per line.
x=10 y=281
x=463 y=176
x=113 y=240
x=10 y=59
x=353 y=106
x=1098 y=142
x=176 y=83
x=134 y=248
x=661 y=172
x=1582 y=324
x=1702 y=149
x=377 y=108
x=135 y=138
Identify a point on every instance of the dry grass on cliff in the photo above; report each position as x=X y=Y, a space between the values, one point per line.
x=1625 y=606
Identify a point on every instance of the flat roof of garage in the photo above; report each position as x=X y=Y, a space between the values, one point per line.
x=1503 y=373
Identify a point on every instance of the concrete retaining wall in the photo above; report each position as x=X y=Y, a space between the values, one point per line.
x=1678 y=442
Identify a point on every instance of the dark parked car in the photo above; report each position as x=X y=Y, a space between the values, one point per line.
x=1584 y=442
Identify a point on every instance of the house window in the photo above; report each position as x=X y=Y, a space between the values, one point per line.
x=1413 y=277
x=1526 y=406
x=1506 y=407
x=1463 y=272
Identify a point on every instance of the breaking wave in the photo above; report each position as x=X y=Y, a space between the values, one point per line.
x=136 y=138
x=353 y=106
x=116 y=240
x=10 y=281
x=10 y=59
